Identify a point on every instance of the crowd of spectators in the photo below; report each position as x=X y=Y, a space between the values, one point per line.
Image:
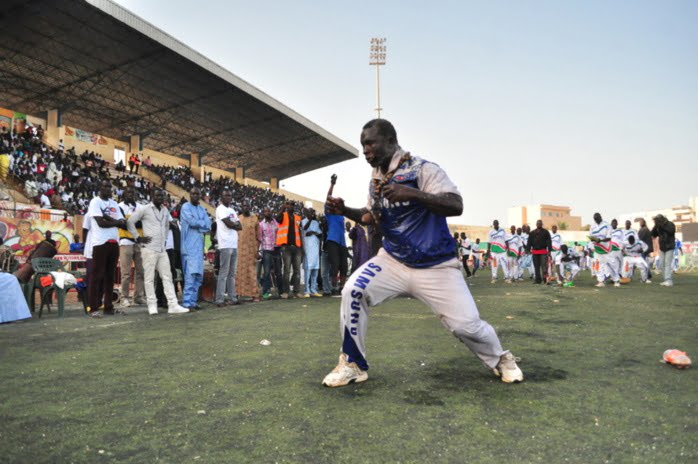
x=61 y=179
x=183 y=177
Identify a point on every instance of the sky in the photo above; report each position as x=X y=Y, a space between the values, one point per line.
x=588 y=104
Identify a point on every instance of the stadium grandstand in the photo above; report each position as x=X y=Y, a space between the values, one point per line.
x=97 y=77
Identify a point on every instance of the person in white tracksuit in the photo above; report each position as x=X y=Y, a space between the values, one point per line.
x=556 y=241
x=600 y=234
x=633 y=250
x=568 y=263
x=526 y=261
x=410 y=199
x=514 y=247
x=497 y=250
x=616 y=254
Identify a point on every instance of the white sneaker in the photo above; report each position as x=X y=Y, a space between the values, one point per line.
x=125 y=303
x=344 y=374
x=616 y=284
x=177 y=310
x=648 y=281
x=667 y=283
x=600 y=284
x=508 y=281
x=508 y=370
x=494 y=281
x=153 y=310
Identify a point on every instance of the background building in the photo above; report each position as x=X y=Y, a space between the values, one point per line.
x=549 y=214
x=679 y=215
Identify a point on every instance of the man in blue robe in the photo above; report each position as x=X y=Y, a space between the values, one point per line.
x=195 y=223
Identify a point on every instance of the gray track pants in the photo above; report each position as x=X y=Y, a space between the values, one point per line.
x=441 y=287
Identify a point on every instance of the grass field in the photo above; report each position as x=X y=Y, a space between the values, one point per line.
x=200 y=387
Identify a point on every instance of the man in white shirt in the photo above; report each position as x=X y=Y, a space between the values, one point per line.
x=466 y=248
x=105 y=216
x=227 y=226
x=156 y=224
x=44 y=201
x=129 y=253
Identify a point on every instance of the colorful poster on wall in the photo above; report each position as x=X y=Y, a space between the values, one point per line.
x=85 y=137
x=21 y=235
x=20 y=123
x=6 y=119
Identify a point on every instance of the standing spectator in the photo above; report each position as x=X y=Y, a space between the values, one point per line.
x=148 y=163
x=130 y=253
x=44 y=201
x=247 y=254
x=172 y=247
x=131 y=163
x=49 y=239
x=476 y=256
x=466 y=249
x=359 y=244
x=335 y=243
x=665 y=231
x=195 y=224
x=156 y=223
x=539 y=245
x=313 y=234
x=137 y=163
x=227 y=227
x=325 y=260
x=645 y=235
x=267 y=239
x=288 y=239
x=105 y=219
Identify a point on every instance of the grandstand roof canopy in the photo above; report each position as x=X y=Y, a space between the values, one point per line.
x=112 y=73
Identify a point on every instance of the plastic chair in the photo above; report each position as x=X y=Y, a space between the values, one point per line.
x=43 y=267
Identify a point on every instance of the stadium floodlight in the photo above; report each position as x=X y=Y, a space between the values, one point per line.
x=377 y=59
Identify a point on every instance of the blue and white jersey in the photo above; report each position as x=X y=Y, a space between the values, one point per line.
x=629 y=232
x=412 y=234
x=636 y=249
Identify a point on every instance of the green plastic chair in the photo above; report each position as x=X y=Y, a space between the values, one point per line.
x=43 y=267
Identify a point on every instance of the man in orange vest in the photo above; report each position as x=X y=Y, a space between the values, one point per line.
x=288 y=240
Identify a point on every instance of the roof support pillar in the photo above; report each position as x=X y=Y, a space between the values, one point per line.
x=274 y=183
x=136 y=143
x=240 y=174
x=195 y=166
x=54 y=131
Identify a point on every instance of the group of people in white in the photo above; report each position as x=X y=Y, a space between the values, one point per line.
x=612 y=254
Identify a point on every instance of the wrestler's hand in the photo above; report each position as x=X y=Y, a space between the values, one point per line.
x=334 y=205
x=398 y=192
x=144 y=240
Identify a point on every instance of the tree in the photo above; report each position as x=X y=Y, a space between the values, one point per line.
x=562 y=225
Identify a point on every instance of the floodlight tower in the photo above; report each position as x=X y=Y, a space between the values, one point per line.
x=377 y=59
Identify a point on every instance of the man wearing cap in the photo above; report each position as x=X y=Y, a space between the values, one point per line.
x=665 y=231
